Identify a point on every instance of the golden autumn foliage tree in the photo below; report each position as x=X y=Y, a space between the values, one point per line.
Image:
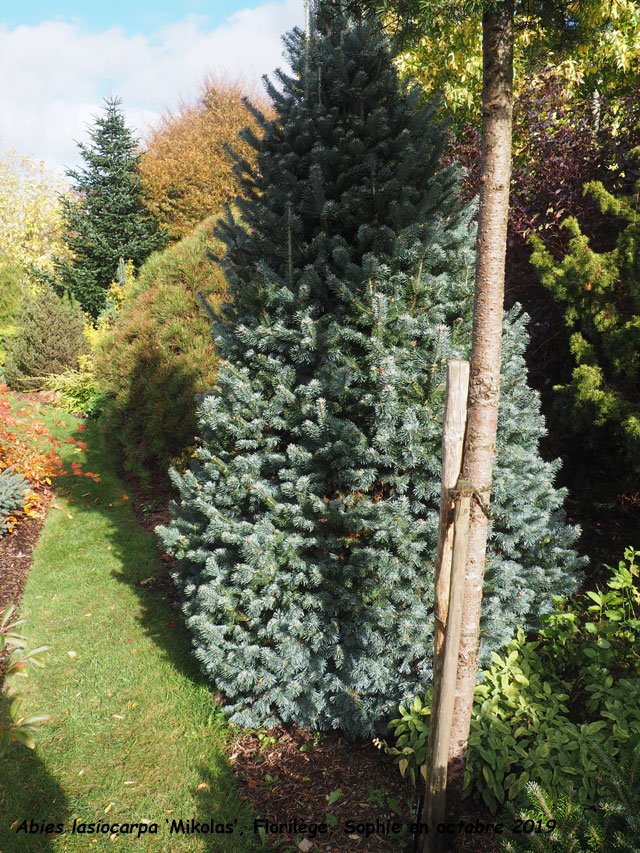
x=186 y=171
x=592 y=45
x=30 y=223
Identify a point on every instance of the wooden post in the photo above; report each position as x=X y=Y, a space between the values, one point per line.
x=442 y=710
x=455 y=419
x=455 y=415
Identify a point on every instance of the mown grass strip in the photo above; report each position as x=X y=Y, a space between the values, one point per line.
x=134 y=734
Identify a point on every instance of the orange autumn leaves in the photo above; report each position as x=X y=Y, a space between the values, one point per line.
x=29 y=448
x=186 y=171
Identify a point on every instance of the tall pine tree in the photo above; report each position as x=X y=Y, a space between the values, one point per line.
x=106 y=221
x=307 y=526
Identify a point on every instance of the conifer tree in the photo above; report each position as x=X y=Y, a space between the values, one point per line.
x=107 y=220
x=600 y=293
x=307 y=525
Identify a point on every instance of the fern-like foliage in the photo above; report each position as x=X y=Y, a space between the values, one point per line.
x=567 y=827
x=621 y=802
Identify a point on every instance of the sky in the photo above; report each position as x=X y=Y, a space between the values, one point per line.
x=58 y=60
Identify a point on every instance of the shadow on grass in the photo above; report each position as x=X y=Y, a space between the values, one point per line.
x=137 y=552
x=215 y=803
x=28 y=792
x=160 y=618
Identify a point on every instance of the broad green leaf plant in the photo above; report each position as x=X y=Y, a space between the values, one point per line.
x=19 y=727
x=547 y=708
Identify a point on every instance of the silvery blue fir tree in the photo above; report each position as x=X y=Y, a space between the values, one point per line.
x=306 y=528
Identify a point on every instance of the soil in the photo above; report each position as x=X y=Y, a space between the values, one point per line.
x=15 y=562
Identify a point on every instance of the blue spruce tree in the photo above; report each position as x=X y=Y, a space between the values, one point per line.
x=307 y=526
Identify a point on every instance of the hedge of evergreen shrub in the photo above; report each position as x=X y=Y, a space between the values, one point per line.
x=307 y=525
x=158 y=356
x=48 y=340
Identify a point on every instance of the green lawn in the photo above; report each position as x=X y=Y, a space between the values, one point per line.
x=134 y=734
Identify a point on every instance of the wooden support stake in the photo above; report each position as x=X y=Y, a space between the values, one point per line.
x=455 y=416
x=455 y=419
x=442 y=712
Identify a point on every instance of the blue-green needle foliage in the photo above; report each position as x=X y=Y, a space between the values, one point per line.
x=307 y=527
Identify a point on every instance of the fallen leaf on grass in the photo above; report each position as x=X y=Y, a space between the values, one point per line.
x=201 y=786
x=69 y=515
x=109 y=807
x=55 y=506
x=118 y=716
x=73 y=654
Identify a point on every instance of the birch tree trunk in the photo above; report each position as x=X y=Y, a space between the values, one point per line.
x=484 y=384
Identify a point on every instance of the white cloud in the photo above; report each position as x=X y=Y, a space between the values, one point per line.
x=56 y=74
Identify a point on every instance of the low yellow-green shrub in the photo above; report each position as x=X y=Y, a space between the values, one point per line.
x=158 y=355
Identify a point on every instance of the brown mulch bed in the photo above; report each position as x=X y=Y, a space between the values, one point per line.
x=15 y=559
x=289 y=775
x=16 y=549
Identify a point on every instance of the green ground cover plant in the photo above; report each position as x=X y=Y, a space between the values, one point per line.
x=134 y=734
x=546 y=709
x=15 y=661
